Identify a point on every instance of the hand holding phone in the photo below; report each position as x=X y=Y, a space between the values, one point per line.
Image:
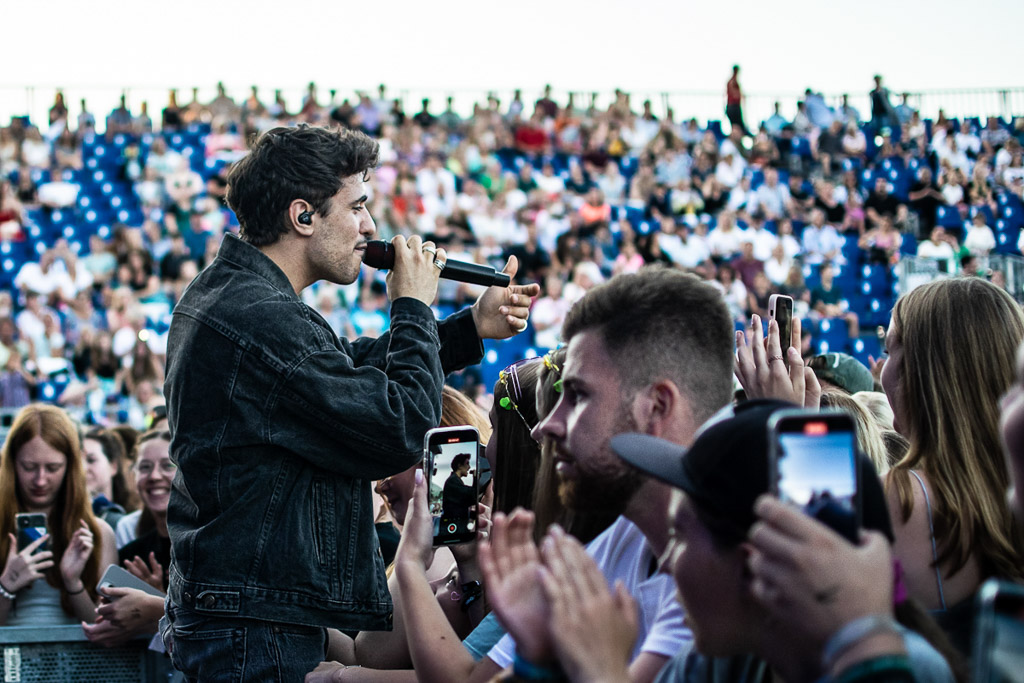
x=28 y=556
x=814 y=465
x=450 y=464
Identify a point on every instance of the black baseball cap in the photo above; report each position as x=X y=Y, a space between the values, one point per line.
x=727 y=468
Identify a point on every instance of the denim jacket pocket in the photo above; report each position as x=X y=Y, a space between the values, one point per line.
x=322 y=510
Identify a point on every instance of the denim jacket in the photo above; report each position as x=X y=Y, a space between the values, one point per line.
x=278 y=428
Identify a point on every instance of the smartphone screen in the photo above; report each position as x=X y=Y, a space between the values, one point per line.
x=451 y=463
x=816 y=466
x=780 y=309
x=31 y=527
x=999 y=633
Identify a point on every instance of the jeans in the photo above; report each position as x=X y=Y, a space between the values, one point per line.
x=218 y=649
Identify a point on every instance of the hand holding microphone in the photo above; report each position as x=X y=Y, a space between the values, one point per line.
x=381 y=254
x=415 y=266
x=502 y=311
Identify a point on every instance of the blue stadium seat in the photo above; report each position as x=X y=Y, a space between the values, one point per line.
x=832 y=336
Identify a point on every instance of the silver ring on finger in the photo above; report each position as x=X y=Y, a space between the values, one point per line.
x=439 y=264
x=773 y=358
x=427 y=249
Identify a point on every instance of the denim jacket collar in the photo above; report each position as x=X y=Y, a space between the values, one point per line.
x=239 y=252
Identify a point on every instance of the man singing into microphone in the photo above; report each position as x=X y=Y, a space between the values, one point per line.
x=278 y=427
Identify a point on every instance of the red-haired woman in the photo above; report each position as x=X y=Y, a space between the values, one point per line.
x=41 y=471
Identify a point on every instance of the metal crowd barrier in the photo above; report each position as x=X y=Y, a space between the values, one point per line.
x=53 y=654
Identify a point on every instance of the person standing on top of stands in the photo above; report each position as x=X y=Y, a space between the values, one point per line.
x=734 y=101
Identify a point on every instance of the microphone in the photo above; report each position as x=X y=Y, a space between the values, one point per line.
x=380 y=254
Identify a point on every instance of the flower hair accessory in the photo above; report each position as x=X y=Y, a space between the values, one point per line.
x=509 y=378
x=549 y=363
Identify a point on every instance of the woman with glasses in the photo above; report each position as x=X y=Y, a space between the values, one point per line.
x=51 y=580
x=126 y=612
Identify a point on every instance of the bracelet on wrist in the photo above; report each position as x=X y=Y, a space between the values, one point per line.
x=6 y=593
x=528 y=671
x=854 y=632
x=80 y=590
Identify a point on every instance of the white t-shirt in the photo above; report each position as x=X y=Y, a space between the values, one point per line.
x=940 y=251
x=622 y=553
x=126 y=528
x=980 y=239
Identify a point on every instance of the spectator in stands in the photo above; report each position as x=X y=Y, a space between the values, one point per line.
x=19 y=373
x=925 y=199
x=939 y=247
x=771 y=198
x=882 y=243
x=979 y=240
x=881 y=203
x=41 y=472
x=994 y=136
x=882 y=113
x=827 y=300
x=726 y=239
x=776 y=122
x=747 y=265
x=948 y=495
x=854 y=144
x=821 y=242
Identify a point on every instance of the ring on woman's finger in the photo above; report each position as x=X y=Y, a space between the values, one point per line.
x=427 y=249
x=771 y=358
x=440 y=264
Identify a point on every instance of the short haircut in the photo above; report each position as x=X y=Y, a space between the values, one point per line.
x=658 y=324
x=286 y=164
x=460 y=460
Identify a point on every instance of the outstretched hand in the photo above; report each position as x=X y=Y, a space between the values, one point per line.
x=511 y=566
x=503 y=312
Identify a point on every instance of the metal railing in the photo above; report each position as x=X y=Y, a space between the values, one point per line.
x=38 y=654
x=1006 y=270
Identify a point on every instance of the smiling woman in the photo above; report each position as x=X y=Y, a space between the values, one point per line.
x=41 y=472
x=154 y=473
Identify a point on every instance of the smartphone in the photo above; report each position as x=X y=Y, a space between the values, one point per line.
x=116 y=577
x=999 y=632
x=451 y=463
x=31 y=527
x=780 y=309
x=814 y=465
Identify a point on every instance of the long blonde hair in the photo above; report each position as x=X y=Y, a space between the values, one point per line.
x=869 y=436
x=72 y=504
x=959 y=339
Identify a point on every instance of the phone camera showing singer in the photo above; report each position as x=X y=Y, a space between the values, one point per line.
x=451 y=463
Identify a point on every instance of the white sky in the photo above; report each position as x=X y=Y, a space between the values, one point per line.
x=639 y=45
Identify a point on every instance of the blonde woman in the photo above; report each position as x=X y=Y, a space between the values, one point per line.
x=952 y=346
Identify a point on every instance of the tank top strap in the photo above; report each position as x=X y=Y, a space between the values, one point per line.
x=931 y=531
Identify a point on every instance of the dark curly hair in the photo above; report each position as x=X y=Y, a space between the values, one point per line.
x=286 y=164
